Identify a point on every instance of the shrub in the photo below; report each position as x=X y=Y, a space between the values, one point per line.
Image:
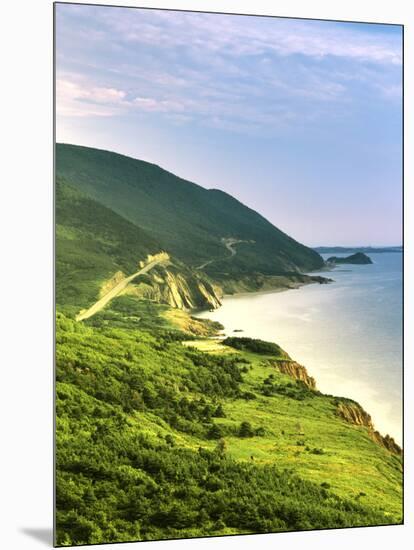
x=246 y=429
x=214 y=432
x=248 y=395
x=221 y=447
x=219 y=412
x=254 y=345
x=316 y=451
x=169 y=440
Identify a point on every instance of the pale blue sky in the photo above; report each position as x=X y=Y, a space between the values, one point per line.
x=300 y=120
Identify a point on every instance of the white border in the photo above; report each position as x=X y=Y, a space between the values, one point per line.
x=27 y=273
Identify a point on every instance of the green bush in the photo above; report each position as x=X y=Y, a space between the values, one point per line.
x=246 y=429
x=254 y=345
x=219 y=412
x=214 y=432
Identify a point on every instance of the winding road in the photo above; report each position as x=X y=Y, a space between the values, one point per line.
x=229 y=244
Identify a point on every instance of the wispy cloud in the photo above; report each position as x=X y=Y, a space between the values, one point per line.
x=391 y=91
x=240 y=35
x=160 y=106
x=78 y=99
x=233 y=72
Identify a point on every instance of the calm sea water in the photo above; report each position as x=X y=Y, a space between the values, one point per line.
x=348 y=334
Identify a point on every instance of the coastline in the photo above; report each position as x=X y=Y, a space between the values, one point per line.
x=276 y=289
x=355 y=390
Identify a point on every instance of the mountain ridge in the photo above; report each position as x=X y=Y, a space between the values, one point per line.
x=188 y=220
x=94 y=244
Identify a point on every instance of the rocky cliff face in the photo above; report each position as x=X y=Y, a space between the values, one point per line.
x=296 y=371
x=348 y=410
x=177 y=287
x=184 y=321
x=354 y=414
x=387 y=442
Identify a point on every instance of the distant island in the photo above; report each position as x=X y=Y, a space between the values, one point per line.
x=365 y=249
x=357 y=258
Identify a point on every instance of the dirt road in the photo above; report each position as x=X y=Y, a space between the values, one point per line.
x=229 y=244
x=97 y=306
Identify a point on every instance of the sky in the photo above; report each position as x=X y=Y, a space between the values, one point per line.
x=300 y=120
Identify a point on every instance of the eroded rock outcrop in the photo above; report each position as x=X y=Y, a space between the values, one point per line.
x=178 y=288
x=108 y=285
x=386 y=441
x=353 y=413
x=296 y=371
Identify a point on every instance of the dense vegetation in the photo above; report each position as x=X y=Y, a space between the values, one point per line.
x=147 y=439
x=161 y=431
x=254 y=345
x=188 y=220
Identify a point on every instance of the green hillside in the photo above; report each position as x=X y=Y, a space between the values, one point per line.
x=92 y=243
x=187 y=220
x=159 y=440
x=163 y=430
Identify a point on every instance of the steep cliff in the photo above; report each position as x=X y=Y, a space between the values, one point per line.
x=296 y=371
x=178 y=287
x=352 y=412
x=257 y=282
x=387 y=442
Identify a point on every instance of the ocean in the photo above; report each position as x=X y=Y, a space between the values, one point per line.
x=348 y=334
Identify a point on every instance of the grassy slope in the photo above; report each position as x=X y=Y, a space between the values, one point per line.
x=158 y=201
x=131 y=313
x=144 y=384
x=351 y=463
x=92 y=243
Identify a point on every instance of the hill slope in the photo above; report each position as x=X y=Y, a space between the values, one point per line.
x=96 y=248
x=163 y=431
x=156 y=440
x=92 y=243
x=188 y=221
